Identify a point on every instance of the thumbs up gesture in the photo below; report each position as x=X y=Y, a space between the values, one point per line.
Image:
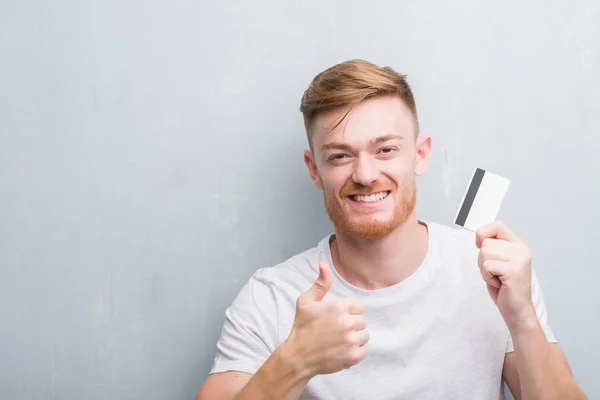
x=328 y=336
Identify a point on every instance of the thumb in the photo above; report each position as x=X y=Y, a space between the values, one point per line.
x=322 y=285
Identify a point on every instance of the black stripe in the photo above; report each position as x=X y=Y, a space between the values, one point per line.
x=470 y=197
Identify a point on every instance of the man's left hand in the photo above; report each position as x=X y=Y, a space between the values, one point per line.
x=505 y=264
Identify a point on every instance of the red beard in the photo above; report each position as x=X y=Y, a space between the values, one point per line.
x=370 y=228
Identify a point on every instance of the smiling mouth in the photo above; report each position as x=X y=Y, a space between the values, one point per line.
x=370 y=198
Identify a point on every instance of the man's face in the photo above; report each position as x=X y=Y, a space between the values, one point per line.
x=367 y=165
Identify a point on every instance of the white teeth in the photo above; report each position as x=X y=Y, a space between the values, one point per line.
x=370 y=198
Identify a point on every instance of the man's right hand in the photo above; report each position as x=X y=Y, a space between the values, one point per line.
x=327 y=336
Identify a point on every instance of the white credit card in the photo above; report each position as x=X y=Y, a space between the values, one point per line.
x=482 y=200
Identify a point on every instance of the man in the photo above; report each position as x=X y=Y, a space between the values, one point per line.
x=390 y=306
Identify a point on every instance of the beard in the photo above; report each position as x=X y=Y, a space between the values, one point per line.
x=371 y=227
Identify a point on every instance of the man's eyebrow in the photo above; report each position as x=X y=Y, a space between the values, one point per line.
x=345 y=147
x=336 y=145
x=385 y=138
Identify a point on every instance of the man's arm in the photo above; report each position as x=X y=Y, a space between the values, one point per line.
x=544 y=369
x=223 y=385
x=278 y=378
x=326 y=337
x=534 y=369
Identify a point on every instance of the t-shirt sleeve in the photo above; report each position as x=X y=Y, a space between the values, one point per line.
x=540 y=309
x=249 y=333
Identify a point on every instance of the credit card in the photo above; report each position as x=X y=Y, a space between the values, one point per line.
x=482 y=200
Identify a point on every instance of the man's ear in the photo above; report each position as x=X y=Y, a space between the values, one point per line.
x=312 y=169
x=423 y=147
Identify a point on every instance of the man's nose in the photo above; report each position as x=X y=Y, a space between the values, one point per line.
x=365 y=171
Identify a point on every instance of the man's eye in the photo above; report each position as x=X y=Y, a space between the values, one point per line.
x=387 y=150
x=338 y=157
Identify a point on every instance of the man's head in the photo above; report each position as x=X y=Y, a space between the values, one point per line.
x=363 y=132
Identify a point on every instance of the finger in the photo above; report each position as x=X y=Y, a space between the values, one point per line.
x=356 y=307
x=494 y=282
x=496 y=230
x=352 y=306
x=493 y=291
x=358 y=354
x=322 y=285
x=358 y=322
x=496 y=249
x=494 y=269
x=362 y=337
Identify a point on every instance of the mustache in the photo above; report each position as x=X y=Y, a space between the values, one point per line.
x=355 y=188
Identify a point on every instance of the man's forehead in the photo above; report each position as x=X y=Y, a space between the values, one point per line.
x=366 y=123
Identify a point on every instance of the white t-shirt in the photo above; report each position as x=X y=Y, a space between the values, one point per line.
x=435 y=335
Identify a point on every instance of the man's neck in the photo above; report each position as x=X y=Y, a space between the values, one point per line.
x=378 y=263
